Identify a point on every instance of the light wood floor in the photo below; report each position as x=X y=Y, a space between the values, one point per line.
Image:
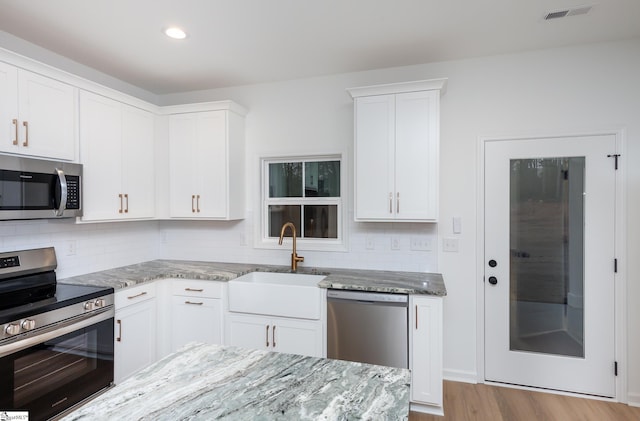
x=479 y=402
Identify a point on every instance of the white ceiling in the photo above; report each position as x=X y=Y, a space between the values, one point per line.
x=239 y=42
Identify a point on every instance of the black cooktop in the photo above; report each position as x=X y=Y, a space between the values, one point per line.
x=65 y=294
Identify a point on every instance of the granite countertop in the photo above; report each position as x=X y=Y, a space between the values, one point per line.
x=204 y=382
x=352 y=279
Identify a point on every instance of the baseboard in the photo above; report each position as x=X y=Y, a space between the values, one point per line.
x=460 y=376
x=633 y=399
x=427 y=409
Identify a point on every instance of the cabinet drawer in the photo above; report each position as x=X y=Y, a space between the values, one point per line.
x=129 y=296
x=192 y=288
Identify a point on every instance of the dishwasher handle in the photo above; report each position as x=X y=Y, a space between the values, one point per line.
x=368 y=297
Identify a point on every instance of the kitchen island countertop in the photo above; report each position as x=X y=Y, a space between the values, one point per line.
x=353 y=279
x=204 y=382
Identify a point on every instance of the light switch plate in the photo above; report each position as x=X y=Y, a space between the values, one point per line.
x=457 y=225
x=395 y=243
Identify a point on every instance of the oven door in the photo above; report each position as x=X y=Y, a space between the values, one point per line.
x=58 y=369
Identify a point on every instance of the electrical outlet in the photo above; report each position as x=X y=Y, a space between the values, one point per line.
x=370 y=243
x=450 y=245
x=71 y=247
x=395 y=243
x=420 y=244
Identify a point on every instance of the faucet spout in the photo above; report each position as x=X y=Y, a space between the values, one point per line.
x=294 y=256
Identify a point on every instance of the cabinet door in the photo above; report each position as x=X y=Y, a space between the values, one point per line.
x=374 y=157
x=134 y=339
x=195 y=319
x=251 y=332
x=49 y=109
x=416 y=155
x=182 y=165
x=138 y=163
x=212 y=164
x=297 y=337
x=9 y=135
x=425 y=357
x=101 y=136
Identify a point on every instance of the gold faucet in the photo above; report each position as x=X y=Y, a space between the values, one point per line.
x=294 y=256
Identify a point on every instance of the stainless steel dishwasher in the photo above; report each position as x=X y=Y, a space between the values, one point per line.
x=368 y=327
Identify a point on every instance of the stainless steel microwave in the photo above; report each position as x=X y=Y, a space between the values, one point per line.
x=37 y=189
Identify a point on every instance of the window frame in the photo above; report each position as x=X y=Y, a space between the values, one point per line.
x=303 y=243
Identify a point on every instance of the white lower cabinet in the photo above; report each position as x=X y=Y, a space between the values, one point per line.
x=196 y=312
x=135 y=330
x=281 y=334
x=425 y=349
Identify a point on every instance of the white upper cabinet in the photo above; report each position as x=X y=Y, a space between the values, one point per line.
x=118 y=155
x=37 y=115
x=396 y=151
x=206 y=165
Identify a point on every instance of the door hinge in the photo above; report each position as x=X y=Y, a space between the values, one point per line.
x=615 y=265
x=614 y=156
x=615 y=368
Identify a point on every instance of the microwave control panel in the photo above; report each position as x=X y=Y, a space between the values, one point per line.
x=73 y=192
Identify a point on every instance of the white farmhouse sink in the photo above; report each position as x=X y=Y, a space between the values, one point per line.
x=277 y=294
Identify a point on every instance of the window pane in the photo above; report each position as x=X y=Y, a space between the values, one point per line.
x=547 y=255
x=279 y=215
x=320 y=221
x=322 y=179
x=285 y=179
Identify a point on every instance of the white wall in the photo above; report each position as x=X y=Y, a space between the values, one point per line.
x=559 y=91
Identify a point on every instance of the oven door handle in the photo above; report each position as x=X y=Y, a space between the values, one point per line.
x=54 y=332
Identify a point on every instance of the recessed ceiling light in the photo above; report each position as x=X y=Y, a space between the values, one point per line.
x=175 y=33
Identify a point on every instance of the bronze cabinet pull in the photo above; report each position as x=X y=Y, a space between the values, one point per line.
x=15 y=123
x=26 y=135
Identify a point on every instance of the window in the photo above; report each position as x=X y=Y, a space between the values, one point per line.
x=307 y=192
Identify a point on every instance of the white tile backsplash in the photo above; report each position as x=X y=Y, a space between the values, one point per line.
x=107 y=245
x=97 y=246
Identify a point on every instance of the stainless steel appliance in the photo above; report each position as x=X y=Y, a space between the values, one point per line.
x=56 y=340
x=35 y=189
x=368 y=327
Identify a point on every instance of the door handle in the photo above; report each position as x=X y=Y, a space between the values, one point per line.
x=126 y=198
x=197 y=203
x=119 y=338
x=267 y=336
x=493 y=280
x=193 y=206
x=120 y=196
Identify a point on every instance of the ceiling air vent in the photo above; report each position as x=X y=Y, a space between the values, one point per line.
x=580 y=10
x=556 y=15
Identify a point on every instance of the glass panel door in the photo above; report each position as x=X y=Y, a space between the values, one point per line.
x=549 y=234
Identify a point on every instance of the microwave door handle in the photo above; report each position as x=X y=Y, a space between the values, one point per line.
x=63 y=192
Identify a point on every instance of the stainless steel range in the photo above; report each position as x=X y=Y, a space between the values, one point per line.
x=56 y=340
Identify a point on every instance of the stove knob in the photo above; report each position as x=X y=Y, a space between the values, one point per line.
x=28 y=324
x=99 y=303
x=88 y=305
x=12 y=329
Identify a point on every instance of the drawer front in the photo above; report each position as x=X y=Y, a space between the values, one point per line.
x=196 y=288
x=129 y=296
